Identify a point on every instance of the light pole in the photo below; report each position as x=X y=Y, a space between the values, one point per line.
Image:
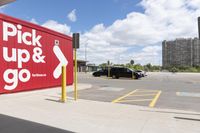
x=85 y=55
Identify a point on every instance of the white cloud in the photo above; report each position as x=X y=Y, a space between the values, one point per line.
x=149 y=54
x=161 y=20
x=54 y=25
x=72 y=15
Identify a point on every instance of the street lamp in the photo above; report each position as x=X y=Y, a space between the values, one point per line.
x=85 y=57
x=85 y=42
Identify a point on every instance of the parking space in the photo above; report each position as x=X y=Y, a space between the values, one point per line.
x=160 y=90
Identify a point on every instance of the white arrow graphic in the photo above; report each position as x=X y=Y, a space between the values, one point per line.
x=63 y=61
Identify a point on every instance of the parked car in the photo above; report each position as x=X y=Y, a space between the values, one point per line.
x=103 y=72
x=143 y=73
x=117 y=72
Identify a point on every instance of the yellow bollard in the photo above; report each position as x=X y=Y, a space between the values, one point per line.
x=64 y=80
x=75 y=76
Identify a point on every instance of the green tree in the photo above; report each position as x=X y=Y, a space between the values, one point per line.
x=148 y=67
x=103 y=65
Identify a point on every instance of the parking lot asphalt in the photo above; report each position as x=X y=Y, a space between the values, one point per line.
x=42 y=111
x=159 y=90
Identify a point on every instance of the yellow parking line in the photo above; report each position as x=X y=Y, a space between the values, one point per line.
x=118 y=99
x=138 y=100
x=153 y=102
x=138 y=95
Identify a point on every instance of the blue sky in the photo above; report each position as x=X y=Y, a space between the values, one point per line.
x=89 y=12
x=115 y=30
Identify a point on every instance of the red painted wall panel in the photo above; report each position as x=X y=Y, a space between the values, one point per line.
x=29 y=55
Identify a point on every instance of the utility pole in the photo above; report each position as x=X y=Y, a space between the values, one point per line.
x=75 y=46
x=86 y=57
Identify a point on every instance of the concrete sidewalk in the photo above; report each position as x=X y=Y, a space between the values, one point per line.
x=91 y=116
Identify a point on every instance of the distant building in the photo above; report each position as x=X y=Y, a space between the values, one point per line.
x=181 y=52
x=81 y=65
x=92 y=67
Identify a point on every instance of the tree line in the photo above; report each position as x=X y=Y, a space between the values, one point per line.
x=154 y=68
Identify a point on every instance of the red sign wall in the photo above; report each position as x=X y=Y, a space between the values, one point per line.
x=31 y=56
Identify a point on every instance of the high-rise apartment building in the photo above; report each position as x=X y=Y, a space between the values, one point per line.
x=181 y=52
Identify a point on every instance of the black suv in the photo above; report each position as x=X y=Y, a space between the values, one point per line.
x=103 y=72
x=117 y=72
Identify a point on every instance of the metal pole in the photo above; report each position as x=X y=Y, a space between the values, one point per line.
x=85 y=57
x=108 y=71
x=75 y=77
x=64 y=79
x=108 y=68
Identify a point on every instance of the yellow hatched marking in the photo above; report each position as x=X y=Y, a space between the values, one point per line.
x=122 y=97
x=138 y=100
x=153 y=102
